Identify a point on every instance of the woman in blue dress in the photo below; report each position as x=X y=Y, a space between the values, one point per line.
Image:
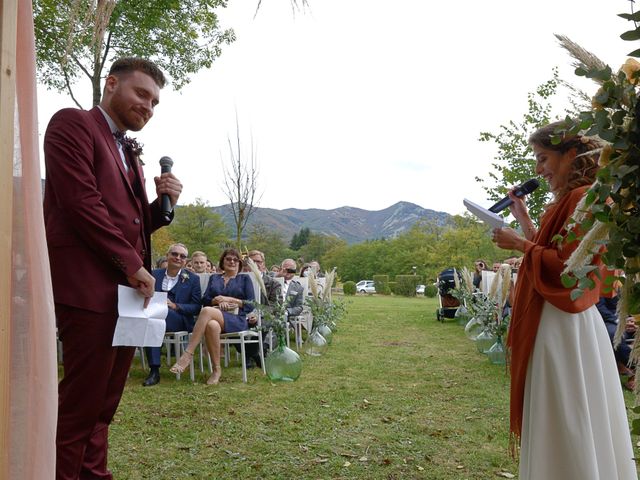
x=227 y=301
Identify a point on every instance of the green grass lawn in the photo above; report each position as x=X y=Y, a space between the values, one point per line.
x=397 y=396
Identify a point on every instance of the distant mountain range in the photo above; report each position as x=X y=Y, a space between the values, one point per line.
x=353 y=225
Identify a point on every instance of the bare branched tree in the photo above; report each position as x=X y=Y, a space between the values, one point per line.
x=241 y=184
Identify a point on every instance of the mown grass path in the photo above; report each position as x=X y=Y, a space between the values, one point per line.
x=398 y=396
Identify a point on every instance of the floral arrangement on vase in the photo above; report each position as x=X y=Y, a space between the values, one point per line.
x=326 y=313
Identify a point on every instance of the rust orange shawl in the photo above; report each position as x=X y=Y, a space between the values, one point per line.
x=539 y=281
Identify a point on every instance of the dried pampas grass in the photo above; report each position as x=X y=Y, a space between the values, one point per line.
x=329 y=278
x=258 y=276
x=590 y=245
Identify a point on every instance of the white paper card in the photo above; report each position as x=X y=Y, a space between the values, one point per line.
x=488 y=217
x=138 y=326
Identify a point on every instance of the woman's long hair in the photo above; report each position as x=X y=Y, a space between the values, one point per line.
x=584 y=165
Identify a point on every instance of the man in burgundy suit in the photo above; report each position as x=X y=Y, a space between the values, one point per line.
x=98 y=222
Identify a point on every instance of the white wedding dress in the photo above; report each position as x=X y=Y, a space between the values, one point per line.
x=574 y=421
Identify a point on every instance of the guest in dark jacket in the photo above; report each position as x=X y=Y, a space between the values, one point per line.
x=183 y=301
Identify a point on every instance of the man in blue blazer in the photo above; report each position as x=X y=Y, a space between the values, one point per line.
x=183 y=300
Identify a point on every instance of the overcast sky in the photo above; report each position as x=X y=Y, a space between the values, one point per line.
x=365 y=103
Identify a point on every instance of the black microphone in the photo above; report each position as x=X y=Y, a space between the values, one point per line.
x=165 y=202
x=520 y=191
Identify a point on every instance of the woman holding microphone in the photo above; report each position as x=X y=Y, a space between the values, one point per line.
x=567 y=408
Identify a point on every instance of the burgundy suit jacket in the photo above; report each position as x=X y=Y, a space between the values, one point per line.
x=98 y=222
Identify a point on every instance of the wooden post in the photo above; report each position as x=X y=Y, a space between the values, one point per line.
x=8 y=38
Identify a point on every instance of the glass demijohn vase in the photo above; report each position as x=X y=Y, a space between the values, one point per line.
x=497 y=353
x=473 y=328
x=485 y=340
x=326 y=332
x=315 y=345
x=462 y=315
x=283 y=364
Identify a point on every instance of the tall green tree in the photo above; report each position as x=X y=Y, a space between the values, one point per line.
x=199 y=228
x=77 y=38
x=269 y=242
x=300 y=239
x=161 y=240
x=429 y=248
x=514 y=162
x=317 y=246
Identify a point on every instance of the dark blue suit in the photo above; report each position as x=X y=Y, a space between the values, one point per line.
x=186 y=295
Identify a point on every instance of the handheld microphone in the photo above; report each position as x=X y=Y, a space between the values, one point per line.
x=165 y=202
x=520 y=191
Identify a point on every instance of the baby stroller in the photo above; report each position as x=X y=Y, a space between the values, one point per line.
x=448 y=303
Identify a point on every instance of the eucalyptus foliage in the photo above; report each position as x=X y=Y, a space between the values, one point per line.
x=76 y=39
x=608 y=218
x=614 y=198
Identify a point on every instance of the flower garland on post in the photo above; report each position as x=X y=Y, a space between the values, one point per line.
x=609 y=213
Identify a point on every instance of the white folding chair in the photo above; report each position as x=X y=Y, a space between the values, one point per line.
x=245 y=337
x=143 y=360
x=304 y=319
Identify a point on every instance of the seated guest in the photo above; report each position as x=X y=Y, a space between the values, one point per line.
x=162 y=262
x=479 y=265
x=274 y=295
x=316 y=268
x=211 y=268
x=199 y=262
x=227 y=302
x=183 y=300
x=293 y=291
x=607 y=307
x=306 y=270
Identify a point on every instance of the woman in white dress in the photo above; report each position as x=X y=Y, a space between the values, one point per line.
x=567 y=407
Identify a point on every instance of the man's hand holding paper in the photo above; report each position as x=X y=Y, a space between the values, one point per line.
x=138 y=326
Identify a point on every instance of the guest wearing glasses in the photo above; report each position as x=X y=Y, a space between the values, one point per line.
x=227 y=301
x=292 y=291
x=183 y=302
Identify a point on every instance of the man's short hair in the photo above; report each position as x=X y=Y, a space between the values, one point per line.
x=132 y=64
x=255 y=252
x=198 y=253
x=178 y=245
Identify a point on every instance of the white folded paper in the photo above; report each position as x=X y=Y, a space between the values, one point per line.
x=138 y=326
x=488 y=217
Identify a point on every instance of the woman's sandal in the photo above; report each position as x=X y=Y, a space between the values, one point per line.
x=183 y=362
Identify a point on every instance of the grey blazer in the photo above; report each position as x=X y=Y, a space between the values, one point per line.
x=294 y=299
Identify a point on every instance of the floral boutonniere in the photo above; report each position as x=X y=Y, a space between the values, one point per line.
x=184 y=276
x=134 y=147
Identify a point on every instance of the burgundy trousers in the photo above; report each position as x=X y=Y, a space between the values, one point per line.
x=95 y=374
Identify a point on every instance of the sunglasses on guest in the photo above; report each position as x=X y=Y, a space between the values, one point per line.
x=182 y=256
x=232 y=259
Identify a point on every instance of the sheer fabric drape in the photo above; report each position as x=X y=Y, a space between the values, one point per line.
x=33 y=366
